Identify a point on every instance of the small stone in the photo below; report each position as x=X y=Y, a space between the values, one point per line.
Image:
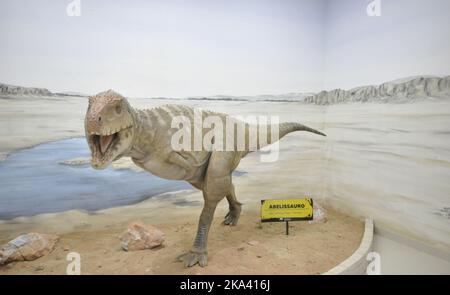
x=139 y=236
x=319 y=214
x=66 y=248
x=240 y=249
x=39 y=268
x=258 y=256
x=27 y=247
x=253 y=243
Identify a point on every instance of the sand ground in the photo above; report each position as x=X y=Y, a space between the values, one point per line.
x=248 y=248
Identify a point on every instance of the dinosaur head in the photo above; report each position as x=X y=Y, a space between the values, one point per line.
x=109 y=127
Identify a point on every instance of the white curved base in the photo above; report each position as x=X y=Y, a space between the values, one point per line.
x=357 y=263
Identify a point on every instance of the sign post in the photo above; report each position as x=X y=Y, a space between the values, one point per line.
x=285 y=210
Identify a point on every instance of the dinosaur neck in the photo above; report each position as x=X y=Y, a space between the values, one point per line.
x=143 y=134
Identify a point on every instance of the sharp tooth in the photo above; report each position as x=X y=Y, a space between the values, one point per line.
x=105 y=141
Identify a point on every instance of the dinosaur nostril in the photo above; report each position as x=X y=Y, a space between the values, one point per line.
x=99 y=118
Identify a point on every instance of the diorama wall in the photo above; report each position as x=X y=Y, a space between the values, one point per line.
x=389 y=161
x=386 y=157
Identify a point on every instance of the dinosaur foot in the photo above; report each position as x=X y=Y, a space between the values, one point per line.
x=231 y=218
x=192 y=258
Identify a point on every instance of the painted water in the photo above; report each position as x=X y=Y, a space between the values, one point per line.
x=33 y=181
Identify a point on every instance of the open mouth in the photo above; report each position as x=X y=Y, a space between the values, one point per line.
x=103 y=145
x=104 y=142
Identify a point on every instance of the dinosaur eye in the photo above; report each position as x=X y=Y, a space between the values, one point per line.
x=118 y=109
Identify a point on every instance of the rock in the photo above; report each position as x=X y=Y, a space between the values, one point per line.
x=27 y=247
x=319 y=214
x=139 y=236
x=80 y=161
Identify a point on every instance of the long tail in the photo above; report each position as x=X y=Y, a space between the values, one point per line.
x=271 y=137
x=286 y=128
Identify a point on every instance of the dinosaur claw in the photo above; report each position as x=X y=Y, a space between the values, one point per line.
x=231 y=218
x=228 y=220
x=192 y=258
x=203 y=260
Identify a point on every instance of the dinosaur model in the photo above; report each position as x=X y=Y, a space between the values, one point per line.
x=114 y=129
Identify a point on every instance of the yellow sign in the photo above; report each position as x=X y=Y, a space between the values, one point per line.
x=286 y=210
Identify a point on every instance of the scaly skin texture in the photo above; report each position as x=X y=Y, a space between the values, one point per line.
x=114 y=129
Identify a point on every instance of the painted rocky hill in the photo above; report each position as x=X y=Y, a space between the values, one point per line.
x=6 y=89
x=415 y=88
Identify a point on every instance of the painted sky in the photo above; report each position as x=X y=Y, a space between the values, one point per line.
x=410 y=37
x=207 y=47
x=163 y=48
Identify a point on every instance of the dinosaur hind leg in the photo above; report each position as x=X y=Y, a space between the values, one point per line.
x=233 y=214
x=198 y=253
x=216 y=186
